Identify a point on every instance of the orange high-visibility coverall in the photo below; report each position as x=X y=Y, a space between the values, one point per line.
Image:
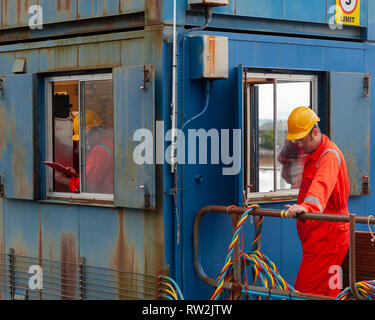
x=99 y=169
x=324 y=188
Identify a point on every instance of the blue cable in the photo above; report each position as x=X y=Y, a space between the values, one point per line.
x=175 y=285
x=208 y=91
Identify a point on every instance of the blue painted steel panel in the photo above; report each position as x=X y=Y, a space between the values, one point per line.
x=59 y=233
x=99 y=55
x=314 y=57
x=350 y=108
x=313 y=11
x=16 y=13
x=133 y=52
x=264 y=9
x=97 y=8
x=58 y=11
x=279 y=240
x=18 y=165
x=342 y=60
x=22 y=225
x=134 y=109
x=132 y=5
x=3 y=280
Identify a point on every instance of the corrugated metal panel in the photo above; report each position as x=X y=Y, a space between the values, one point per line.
x=19 y=163
x=97 y=8
x=58 y=58
x=59 y=10
x=99 y=55
x=2 y=250
x=16 y=13
x=131 y=5
x=134 y=108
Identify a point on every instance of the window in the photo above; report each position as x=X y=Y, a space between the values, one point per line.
x=273 y=166
x=80 y=136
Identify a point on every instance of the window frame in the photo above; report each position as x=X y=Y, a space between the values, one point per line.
x=278 y=195
x=49 y=141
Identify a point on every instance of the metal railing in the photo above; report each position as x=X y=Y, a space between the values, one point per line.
x=352 y=219
x=72 y=281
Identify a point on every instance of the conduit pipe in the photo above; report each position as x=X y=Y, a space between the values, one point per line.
x=174 y=85
x=351 y=219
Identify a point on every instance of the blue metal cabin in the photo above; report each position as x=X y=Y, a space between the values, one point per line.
x=145 y=230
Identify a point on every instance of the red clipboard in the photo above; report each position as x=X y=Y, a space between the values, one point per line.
x=60 y=167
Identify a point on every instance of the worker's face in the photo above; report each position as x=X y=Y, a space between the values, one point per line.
x=310 y=142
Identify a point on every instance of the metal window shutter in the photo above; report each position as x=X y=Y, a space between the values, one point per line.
x=350 y=111
x=134 y=108
x=18 y=157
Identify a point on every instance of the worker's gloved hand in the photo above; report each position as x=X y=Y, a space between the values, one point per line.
x=295 y=210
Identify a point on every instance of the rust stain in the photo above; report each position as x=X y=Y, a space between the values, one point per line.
x=352 y=170
x=18 y=7
x=19 y=154
x=40 y=246
x=68 y=262
x=2 y=129
x=153 y=12
x=4 y=13
x=154 y=239
x=126 y=5
x=123 y=259
x=212 y=53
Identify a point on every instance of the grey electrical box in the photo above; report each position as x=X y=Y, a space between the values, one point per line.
x=210 y=2
x=208 y=57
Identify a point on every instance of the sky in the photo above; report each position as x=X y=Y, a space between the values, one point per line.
x=290 y=96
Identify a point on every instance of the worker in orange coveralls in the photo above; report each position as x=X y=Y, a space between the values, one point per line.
x=324 y=189
x=99 y=162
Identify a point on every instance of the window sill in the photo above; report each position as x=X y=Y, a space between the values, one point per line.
x=81 y=199
x=281 y=196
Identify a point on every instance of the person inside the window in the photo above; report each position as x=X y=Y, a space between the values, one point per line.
x=99 y=159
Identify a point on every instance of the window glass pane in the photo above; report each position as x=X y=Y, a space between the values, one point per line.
x=98 y=140
x=266 y=137
x=65 y=150
x=290 y=158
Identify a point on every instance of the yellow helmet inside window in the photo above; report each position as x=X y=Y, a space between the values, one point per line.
x=300 y=123
x=92 y=120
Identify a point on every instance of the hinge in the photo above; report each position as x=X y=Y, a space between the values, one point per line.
x=366 y=85
x=1 y=186
x=146 y=77
x=365 y=185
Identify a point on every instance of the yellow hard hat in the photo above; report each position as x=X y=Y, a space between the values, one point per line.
x=300 y=122
x=92 y=120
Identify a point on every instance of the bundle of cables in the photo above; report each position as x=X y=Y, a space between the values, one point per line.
x=365 y=288
x=263 y=270
x=169 y=289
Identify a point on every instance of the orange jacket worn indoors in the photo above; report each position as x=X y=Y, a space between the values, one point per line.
x=324 y=188
x=99 y=169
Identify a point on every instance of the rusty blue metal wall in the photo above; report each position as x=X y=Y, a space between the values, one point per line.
x=113 y=238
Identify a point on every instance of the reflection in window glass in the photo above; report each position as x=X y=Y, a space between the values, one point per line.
x=290 y=95
x=289 y=158
x=82 y=128
x=98 y=166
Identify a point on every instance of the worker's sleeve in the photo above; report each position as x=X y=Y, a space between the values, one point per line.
x=74 y=184
x=96 y=168
x=323 y=183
